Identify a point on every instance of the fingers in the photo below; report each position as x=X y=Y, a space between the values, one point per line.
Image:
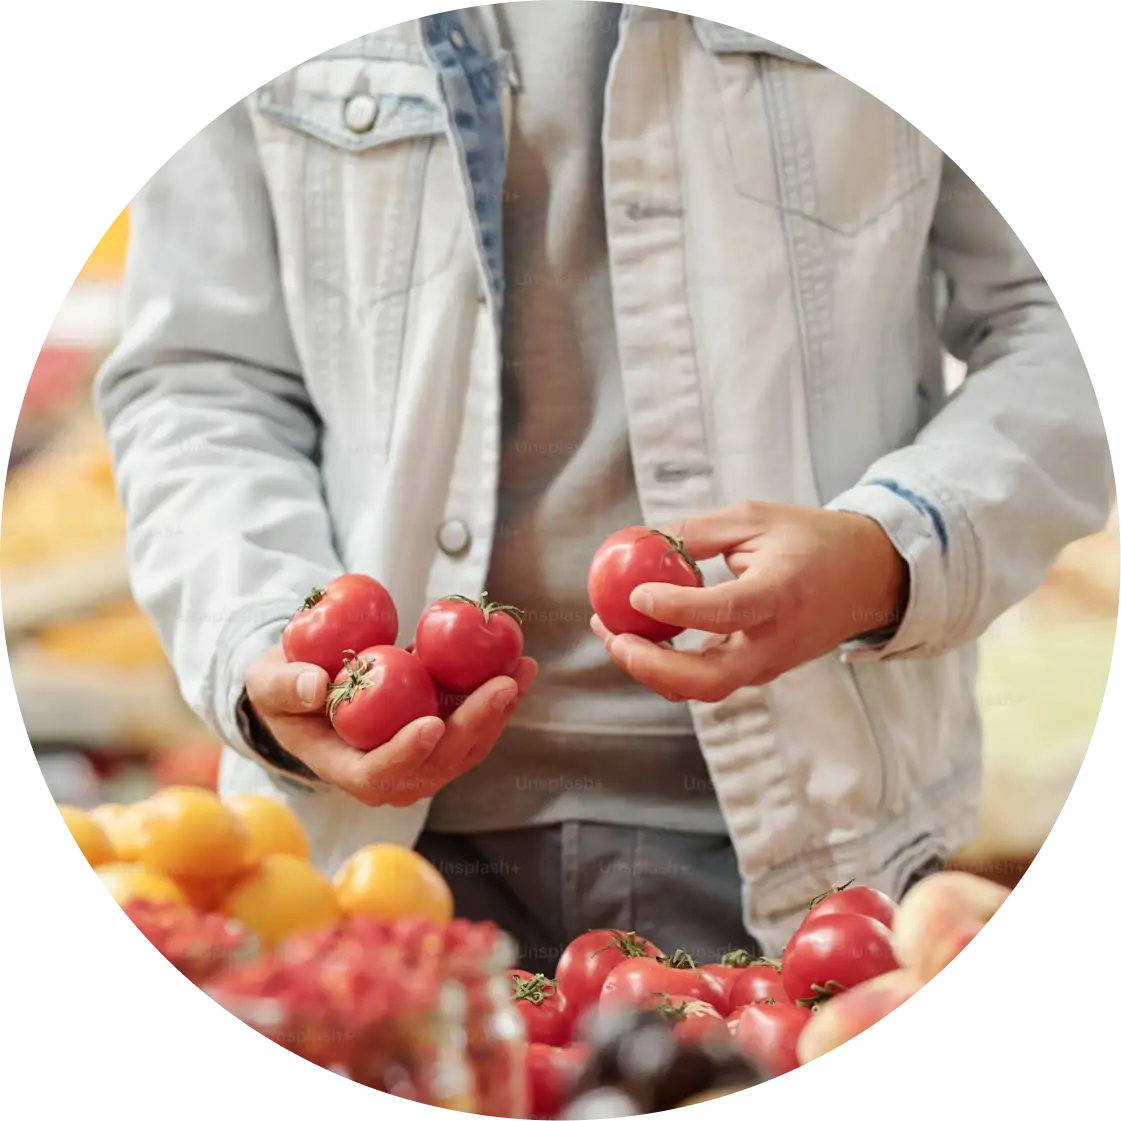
x=757 y=597
x=710 y=535
x=278 y=687
x=709 y=674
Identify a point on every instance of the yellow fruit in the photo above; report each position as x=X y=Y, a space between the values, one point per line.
x=186 y=831
x=282 y=896
x=205 y=893
x=272 y=827
x=126 y=882
x=88 y=836
x=123 y=826
x=389 y=882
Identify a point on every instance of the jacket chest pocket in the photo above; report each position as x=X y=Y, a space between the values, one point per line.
x=807 y=141
x=368 y=207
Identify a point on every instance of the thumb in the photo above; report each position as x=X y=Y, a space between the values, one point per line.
x=754 y=598
x=286 y=688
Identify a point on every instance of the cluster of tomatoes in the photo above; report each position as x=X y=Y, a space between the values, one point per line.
x=760 y=1006
x=349 y=629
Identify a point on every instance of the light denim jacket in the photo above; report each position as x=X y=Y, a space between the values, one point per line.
x=308 y=383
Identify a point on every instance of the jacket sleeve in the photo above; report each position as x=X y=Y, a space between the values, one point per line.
x=213 y=436
x=1013 y=468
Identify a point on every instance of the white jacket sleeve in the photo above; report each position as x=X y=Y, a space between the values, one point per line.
x=1014 y=467
x=213 y=436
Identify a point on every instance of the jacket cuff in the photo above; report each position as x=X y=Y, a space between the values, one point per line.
x=246 y=636
x=938 y=545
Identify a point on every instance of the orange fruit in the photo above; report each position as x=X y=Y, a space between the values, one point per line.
x=389 y=882
x=282 y=896
x=272 y=827
x=88 y=836
x=186 y=831
x=122 y=825
x=126 y=882
x=205 y=893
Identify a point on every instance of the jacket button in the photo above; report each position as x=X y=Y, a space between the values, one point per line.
x=454 y=537
x=360 y=112
x=459 y=40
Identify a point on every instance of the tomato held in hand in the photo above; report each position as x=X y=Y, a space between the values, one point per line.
x=551 y=1071
x=589 y=958
x=768 y=1034
x=849 y=900
x=757 y=982
x=464 y=644
x=631 y=557
x=542 y=1006
x=692 y=1021
x=353 y=612
x=634 y=982
x=377 y=693
x=834 y=953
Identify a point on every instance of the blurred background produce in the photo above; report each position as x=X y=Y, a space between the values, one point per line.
x=119 y=729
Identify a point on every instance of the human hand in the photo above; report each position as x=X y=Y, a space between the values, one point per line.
x=290 y=699
x=807 y=580
x=937 y=919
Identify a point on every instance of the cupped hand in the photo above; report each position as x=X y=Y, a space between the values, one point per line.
x=806 y=581
x=290 y=699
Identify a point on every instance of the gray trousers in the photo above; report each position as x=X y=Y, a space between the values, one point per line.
x=546 y=885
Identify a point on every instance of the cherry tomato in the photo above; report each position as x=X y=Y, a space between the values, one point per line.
x=542 y=1006
x=551 y=1071
x=634 y=982
x=589 y=958
x=464 y=644
x=377 y=693
x=768 y=1034
x=756 y=983
x=692 y=1021
x=833 y=953
x=853 y=901
x=631 y=557
x=353 y=612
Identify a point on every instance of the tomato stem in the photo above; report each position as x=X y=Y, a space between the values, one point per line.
x=628 y=944
x=673 y=1011
x=679 y=959
x=311 y=599
x=825 y=894
x=488 y=608
x=774 y=963
x=822 y=993
x=679 y=548
x=342 y=692
x=737 y=959
x=534 y=989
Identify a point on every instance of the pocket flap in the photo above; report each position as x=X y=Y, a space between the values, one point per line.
x=721 y=39
x=356 y=104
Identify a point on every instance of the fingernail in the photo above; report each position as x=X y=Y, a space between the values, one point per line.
x=504 y=701
x=307 y=686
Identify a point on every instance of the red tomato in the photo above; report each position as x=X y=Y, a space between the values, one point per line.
x=632 y=983
x=725 y=973
x=551 y=1071
x=833 y=953
x=853 y=901
x=693 y=1021
x=464 y=644
x=543 y=1008
x=589 y=958
x=756 y=983
x=768 y=1034
x=377 y=693
x=631 y=557
x=353 y=612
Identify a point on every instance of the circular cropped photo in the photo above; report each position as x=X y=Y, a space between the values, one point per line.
x=582 y=551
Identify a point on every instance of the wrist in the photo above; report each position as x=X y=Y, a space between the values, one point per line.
x=885 y=577
x=260 y=739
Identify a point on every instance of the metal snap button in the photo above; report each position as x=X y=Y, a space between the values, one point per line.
x=458 y=39
x=454 y=537
x=360 y=112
